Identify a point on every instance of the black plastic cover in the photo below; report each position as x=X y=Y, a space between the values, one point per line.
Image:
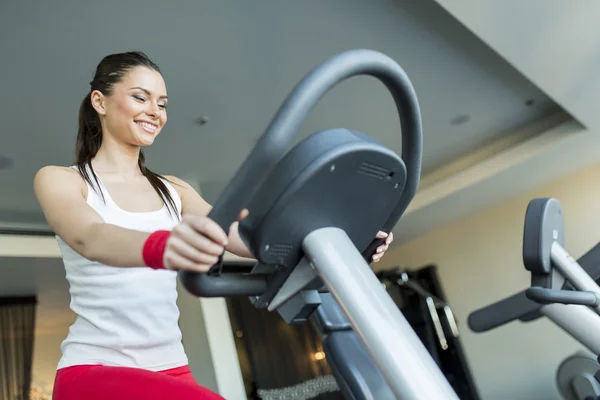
x=356 y=374
x=335 y=178
x=329 y=317
x=544 y=225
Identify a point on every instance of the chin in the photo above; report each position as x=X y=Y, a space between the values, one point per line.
x=144 y=138
x=144 y=142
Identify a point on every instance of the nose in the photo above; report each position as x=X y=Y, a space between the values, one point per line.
x=153 y=110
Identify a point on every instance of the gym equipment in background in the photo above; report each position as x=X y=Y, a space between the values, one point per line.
x=293 y=362
x=561 y=289
x=313 y=215
x=419 y=294
x=575 y=377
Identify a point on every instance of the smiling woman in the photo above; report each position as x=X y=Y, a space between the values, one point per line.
x=109 y=210
x=137 y=108
x=124 y=232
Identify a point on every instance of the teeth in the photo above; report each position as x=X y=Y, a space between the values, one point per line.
x=147 y=125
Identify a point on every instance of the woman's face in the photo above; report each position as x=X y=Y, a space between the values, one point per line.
x=135 y=112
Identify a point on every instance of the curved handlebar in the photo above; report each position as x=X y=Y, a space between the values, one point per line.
x=272 y=145
x=280 y=132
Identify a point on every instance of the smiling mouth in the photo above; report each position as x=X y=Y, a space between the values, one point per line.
x=147 y=126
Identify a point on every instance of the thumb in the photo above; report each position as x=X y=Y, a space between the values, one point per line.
x=243 y=214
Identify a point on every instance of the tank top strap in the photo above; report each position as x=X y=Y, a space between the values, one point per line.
x=95 y=189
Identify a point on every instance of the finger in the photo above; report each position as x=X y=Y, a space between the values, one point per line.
x=189 y=252
x=390 y=238
x=377 y=256
x=209 y=228
x=243 y=214
x=174 y=261
x=197 y=240
x=381 y=235
x=382 y=249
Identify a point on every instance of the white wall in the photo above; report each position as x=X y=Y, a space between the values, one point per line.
x=479 y=261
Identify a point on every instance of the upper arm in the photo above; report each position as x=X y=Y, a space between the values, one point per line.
x=191 y=201
x=60 y=193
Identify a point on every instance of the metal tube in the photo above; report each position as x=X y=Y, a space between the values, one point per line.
x=573 y=272
x=402 y=358
x=580 y=322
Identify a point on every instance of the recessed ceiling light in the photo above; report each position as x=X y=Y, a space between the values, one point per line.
x=460 y=119
x=5 y=162
x=202 y=120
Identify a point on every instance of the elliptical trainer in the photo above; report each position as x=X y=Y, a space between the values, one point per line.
x=313 y=215
x=562 y=290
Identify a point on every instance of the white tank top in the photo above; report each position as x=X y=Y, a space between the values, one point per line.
x=125 y=316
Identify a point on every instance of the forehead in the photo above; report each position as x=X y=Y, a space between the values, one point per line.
x=145 y=78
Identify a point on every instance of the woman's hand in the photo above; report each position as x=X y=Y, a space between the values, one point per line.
x=383 y=248
x=196 y=243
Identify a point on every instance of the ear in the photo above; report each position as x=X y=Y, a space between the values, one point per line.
x=98 y=102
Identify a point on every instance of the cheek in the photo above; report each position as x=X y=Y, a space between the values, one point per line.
x=129 y=109
x=126 y=110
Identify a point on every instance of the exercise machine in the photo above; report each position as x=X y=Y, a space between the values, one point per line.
x=562 y=289
x=314 y=212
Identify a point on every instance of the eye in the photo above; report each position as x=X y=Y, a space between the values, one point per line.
x=140 y=98
x=163 y=106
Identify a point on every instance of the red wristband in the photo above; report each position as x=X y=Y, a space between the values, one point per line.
x=154 y=249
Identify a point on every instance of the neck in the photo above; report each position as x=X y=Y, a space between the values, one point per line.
x=115 y=157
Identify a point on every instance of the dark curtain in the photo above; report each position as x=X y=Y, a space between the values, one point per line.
x=17 y=325
x=273 y=353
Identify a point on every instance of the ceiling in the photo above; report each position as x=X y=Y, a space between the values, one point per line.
x=234 y=62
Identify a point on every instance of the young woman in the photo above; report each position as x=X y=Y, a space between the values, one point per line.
x=124 y=231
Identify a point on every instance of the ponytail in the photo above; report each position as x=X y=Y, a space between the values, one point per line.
x=89 y=140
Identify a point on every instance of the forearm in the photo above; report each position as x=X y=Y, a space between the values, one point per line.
x=115 y=246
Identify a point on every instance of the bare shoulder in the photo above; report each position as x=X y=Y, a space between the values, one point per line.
x=177 y=181
x=57 y=177
x=51 y=172
x=192 y=200
x=180 y=185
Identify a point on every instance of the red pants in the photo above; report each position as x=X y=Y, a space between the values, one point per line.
x=97 y=382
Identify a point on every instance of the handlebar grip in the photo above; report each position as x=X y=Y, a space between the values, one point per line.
x=501 y=312
x=225 y=285
x=548 y=296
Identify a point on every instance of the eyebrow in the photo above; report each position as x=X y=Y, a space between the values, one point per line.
x=148 y=92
